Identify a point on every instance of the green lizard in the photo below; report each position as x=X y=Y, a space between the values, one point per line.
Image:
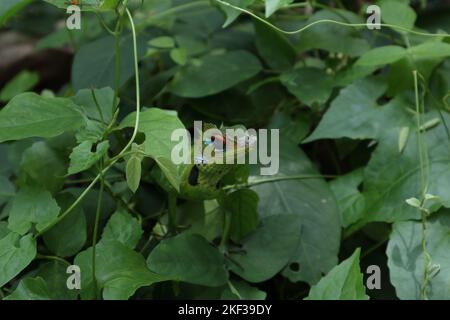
x=201 y=180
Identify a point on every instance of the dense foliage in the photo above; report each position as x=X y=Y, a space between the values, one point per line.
x=86 y=177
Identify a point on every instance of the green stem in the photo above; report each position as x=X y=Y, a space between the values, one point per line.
x=423 y=158
x=95 y=233
x=276 y=179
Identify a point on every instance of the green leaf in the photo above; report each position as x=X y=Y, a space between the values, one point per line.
x=16 y=254
x=171 y=171
x=22 y=82
x=94 y=62
x=55 y=276
x=158 y=126
x=215 y=73
x=398 y=13
x=120 y=271
x=87 y=5
x=69 y=236
x=30 y=115
x=267 y=250
x=35 y=163
x=189 y=258
x=382 y=56
x=274 y=47
x=8 y=8
x=241 y=290
x=391 y=177
x=7 y=190
x=30 y=289
x=309 y=85
x=430 y=50
x=133 y=173
x=243 y=207
x=124 y=228
x=274 y=5
x=163 y=42
x=312 y=201
x=343 y=282
x=355 y=113
x=82 y=157
x=332 y=38
x=231 y=13
x=406 y=260
x=350 y=201
x=32 y=205
x=179 y=56
x=104 y=97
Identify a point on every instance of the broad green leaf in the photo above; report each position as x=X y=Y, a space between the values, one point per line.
x=158 y=126
x=343 y=282
x=274 y=47
x=55 y=276
x=83 y=158
x=120 y=271
x=178 y=55
x=382 y=56
x=243 y=207
x=391 y=177
x=215 y=73
x=232 y=13
x=69 y=236
x=87 y=5
x=309 y=85
x=350 y=201
x=22 y=82
x=334 y=38
x=32 y=206
x=268 y=249
x=35 y=163
x=163 y=42
x=430 y=50
x=124 y=228
x=30 y=289
x=4 y=231
x=313 y=203
x=7 y=189
x=241 y=290
x=87 y=99
x=30 y=115
x=170 y=170
x=397 y=13
x=355 y=113
x=133 y=173
x=16 y=254
x=8 y=8
x=406 y=260
x=274 y=5
x=189 y=258
x=94 y=63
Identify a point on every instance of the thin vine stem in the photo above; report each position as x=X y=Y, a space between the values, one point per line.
x=276 y=179
x=423 y=158
x=130 y=142
x=95 y=231
x=356 y=25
